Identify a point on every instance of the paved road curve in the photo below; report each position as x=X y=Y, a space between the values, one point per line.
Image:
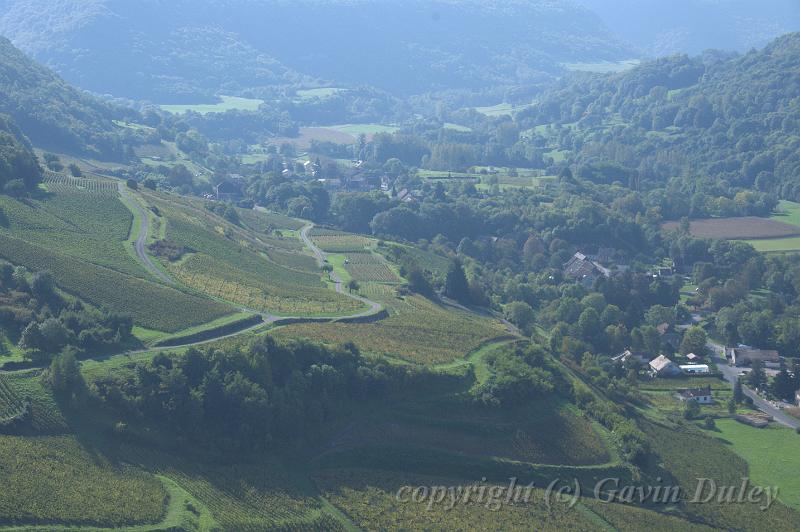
x=141 y=239
x=731 y=375
x=322 y=258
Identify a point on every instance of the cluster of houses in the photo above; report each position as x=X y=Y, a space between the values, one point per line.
x=662 y=366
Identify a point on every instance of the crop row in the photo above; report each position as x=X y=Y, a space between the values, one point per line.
x=213 y=277
x=150 y=304
x=49 y=480
x=417 y=329
x=69 y=182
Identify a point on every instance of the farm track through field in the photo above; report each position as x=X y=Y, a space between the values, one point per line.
x=141 y=239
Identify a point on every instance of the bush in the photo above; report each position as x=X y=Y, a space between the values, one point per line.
x=132 y=184
x=709 y=423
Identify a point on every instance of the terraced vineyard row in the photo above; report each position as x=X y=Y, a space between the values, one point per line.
x=332 y=241
x=365 y=267
x=60 y=182
x=12 y=407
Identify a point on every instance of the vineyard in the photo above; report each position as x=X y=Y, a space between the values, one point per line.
x=370 y=499
x=366 y=267
x=25 y=390
x=332 y=241
x=87 y=226
x=13 y=408
x=231 y=268
x=529 y=435
x=417 y=330
x=248 y=495
x=261 y=292
x=52 y=479
x=151 y=305
x=56 y=183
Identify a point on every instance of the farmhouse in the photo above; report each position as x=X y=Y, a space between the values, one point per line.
x=663 y=367
x=580 y=268
x=228 y=191
x=745 y=356
x=701 y=395
x=695 y=369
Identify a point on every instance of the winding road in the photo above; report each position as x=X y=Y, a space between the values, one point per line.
x=731 y=374
x=141 y=239
x=322 y=258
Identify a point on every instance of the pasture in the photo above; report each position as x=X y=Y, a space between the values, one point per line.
x=687 y=456
x=225 y=103
x=771 y=454
x=740 y=228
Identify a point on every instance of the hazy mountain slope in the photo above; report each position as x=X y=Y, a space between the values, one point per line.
x=732 y=118
x=51 y=113
x=181 y=49
x=661 y=28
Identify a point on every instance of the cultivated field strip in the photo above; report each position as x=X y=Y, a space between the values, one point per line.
x=57 y=182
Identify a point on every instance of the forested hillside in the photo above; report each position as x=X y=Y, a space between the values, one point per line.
x=19 y=169
x=53 y=114
x=190 y=50
x=730 y=118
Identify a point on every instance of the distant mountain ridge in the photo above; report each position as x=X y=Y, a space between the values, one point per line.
x=183 y=50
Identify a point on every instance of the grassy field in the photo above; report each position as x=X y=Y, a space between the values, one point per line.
x=745 y=227
x=226 y=103
x=687 y=456
x=322 y=93
x=500 y=109
x=788 y=213
x=603 y=67
x=771 y=453
x=457 y=127
x=369 y=130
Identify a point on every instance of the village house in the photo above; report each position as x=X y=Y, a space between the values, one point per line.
x=582 y=269
x=701 y=395
x=407 y=196
x=692 y=358
x=669 y=337
x=663 y=367
x=695 y=369
x=745 y=356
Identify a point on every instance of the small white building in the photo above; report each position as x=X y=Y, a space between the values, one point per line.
x=695 y=369
x=701 y=395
